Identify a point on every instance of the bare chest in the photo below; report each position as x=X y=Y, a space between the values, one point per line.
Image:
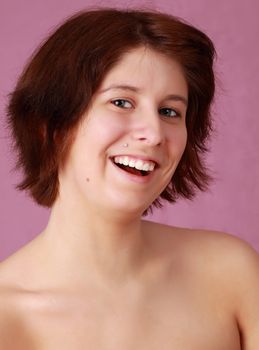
x=180 y=322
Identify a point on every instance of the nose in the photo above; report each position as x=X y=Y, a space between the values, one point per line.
x=148 y=129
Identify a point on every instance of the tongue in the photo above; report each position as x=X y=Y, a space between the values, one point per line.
x=133 y=170
x=130 y=170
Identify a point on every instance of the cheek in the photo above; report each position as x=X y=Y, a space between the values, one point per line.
x=107 y=128
x=183 y=139
x=177 y=139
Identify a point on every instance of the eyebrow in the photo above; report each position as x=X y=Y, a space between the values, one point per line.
x=171 y=97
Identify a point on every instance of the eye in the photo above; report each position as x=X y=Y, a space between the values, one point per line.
x=121 y=103
x=169 y=112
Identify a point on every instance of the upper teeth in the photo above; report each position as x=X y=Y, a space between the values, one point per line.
x=135 y=163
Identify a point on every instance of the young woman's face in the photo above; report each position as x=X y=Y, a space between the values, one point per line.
x=132 y=137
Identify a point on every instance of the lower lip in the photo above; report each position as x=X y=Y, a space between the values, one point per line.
x=134 y=178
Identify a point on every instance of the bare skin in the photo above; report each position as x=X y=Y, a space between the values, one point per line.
x=100 y=278
x=184 y=298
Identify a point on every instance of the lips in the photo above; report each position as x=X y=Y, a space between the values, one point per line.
x=133 y=171
x=134 y=165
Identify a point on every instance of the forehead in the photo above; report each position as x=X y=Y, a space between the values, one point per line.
x=144 y=68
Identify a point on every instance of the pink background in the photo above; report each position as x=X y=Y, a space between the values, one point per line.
x=232 y=205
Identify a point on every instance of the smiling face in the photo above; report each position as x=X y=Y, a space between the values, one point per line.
x=131 y=139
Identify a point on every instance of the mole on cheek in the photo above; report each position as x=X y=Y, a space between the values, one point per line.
x=87 y=179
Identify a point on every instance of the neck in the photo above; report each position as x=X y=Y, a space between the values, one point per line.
x=84 y=243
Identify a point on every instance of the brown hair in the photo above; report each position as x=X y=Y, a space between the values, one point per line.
x=58 y=83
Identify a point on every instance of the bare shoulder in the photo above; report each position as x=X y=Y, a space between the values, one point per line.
x=14 y=334
x=219 y=246
x=220 y=257
x=14 y=272
x=238 y=271
x=227 y=266
x=9 y=316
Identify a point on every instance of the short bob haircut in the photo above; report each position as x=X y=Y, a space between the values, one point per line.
x=57 y=85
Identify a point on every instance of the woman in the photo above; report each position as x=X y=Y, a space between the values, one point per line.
x=110 y=117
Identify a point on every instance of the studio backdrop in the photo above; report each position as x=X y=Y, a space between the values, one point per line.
x=232 y=203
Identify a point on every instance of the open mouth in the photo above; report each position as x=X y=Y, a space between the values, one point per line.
x=132 y=169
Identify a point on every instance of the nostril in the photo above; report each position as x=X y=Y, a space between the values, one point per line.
x=150 y=138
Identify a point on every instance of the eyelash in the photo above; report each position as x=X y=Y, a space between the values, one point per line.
x=177 y=114
x=121 y=99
